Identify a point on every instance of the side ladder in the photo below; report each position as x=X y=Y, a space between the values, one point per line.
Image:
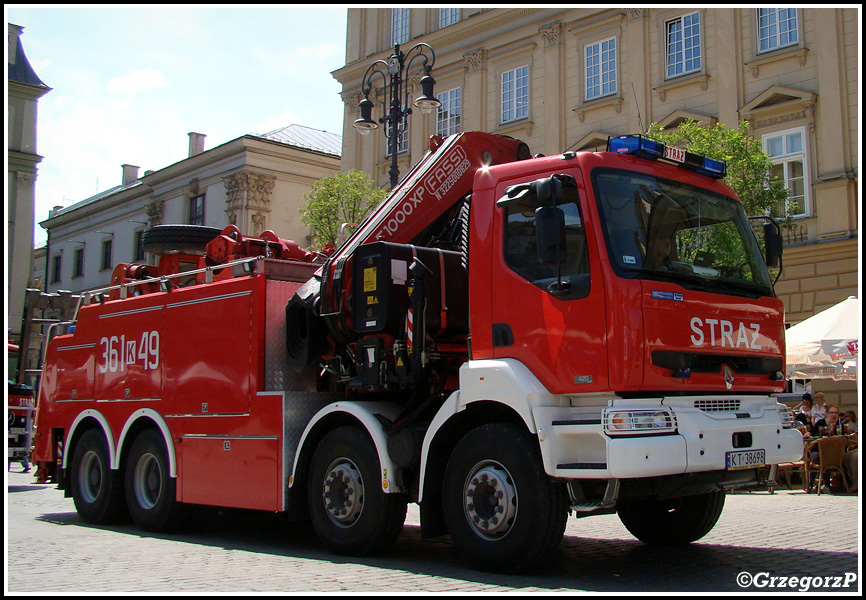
x=41 y=309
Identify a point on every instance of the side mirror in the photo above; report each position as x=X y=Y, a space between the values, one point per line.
x=550 y=235
x=772 y=245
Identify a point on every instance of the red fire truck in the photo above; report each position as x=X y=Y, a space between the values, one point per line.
x=20 y=406
x=505 y=341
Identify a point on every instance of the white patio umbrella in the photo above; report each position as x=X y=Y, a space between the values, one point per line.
x=826 y=345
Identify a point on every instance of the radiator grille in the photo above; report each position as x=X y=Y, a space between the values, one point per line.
x=719 y=405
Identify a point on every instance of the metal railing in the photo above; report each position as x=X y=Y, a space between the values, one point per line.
x=164 y=280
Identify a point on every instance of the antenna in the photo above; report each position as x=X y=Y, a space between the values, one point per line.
x=639 y=120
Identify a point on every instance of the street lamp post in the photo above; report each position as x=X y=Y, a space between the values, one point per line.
x=394 y=73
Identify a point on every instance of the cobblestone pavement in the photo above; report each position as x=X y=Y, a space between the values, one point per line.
x=759 y=540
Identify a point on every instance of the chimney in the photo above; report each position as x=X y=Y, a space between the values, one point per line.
x=130 y=173
x=196 y=143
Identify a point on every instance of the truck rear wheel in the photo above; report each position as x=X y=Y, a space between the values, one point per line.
x=672 y=521
x=96 y=490
x=150 y=490
x=351 y=513
x=502 y=510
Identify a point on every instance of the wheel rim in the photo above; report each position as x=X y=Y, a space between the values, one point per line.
x=90 y=476
x=490 y=500
x=343 y=492
x=147 y=481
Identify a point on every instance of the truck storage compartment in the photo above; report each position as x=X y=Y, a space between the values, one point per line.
x=383 y=280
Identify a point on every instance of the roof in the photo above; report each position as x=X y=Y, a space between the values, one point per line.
x=20 y=70
x=293 y=135
x=307 y=138
x=93 y=199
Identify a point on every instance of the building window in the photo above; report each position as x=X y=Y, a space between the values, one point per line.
x=399 y=25
x=78 y=268
x=106 y=255
x=196 y=210
x=448 y=115
x=788 y=152
x=448 y=16
x=683 y=45
x=515 y=94
x=56 y=268
x=139 y=246
x=601 y=69
x=777 y=28
x=402 y=138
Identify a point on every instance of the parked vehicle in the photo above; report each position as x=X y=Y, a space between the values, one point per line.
x=505 y=341
x=20 y=407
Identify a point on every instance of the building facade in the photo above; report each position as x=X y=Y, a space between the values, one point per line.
x=24 y=88
x=567 y=79
x=253 y=182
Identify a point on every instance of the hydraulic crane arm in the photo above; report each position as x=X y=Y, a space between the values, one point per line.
x=434 y=187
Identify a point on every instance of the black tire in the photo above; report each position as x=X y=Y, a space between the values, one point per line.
x=150 y=490
x=351 y=513
x=502 y=510
x=185 y=239
x=96 y=490
x=672 y=521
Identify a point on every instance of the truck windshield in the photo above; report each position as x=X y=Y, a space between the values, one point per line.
x=665 y=230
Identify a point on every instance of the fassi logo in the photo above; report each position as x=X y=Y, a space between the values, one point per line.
x=437 y=183
x=444 y=176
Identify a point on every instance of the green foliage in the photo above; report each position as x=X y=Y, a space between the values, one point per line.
x=342 y=198
x=749 y=167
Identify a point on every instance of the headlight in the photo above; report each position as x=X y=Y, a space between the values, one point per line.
x=637 y=422
x=786 y=416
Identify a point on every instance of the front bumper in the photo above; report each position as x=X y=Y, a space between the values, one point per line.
x=575 y=444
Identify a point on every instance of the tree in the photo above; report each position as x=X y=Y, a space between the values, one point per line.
x=333 y=201
x=749 y=168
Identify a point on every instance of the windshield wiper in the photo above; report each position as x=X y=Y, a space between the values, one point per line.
x=688 y=281
x=693 y=282
x=745 y=288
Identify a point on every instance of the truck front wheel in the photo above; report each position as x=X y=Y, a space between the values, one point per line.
x=672 y=521
x=150 y=490
x=502 y=510
x=351 y=513
x=96 y=490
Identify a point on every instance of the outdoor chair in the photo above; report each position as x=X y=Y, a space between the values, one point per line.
x=786 y=471
x=830 y=453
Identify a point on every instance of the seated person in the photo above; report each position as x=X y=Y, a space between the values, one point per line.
x=819 y=410
x=804 y=411
x=660 y=252
x=850 y=463
x=851 y=421
x=830 y=425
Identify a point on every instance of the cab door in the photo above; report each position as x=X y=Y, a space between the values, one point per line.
x=548 y=311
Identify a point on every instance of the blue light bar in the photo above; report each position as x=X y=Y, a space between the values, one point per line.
x=636 y=145
x=714 y=168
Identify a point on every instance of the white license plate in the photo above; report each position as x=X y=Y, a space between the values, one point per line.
x=744 y=459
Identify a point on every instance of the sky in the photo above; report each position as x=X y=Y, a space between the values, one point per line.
x=130 y=82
